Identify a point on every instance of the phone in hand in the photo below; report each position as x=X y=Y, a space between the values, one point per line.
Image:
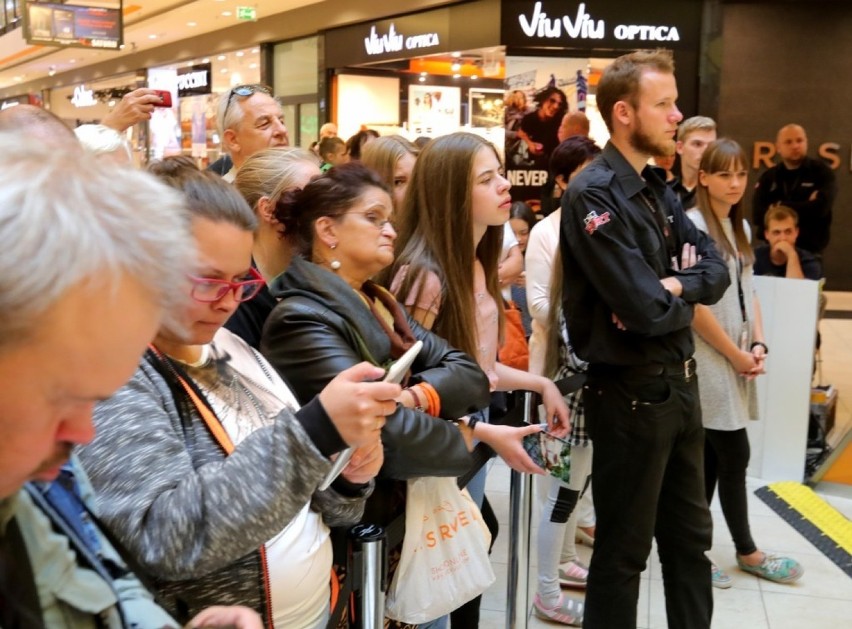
x=395 y=374
x=165 y=98
x=550 y=453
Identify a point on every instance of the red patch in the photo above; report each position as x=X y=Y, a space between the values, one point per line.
x=593 y=221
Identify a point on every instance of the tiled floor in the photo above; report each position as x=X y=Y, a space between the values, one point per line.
x=823 y=597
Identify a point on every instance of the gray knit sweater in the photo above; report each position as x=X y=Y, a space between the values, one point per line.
x=194 y=518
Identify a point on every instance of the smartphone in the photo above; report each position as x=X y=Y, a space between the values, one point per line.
x=550 y=453
x=395 y=373
x=165 y=98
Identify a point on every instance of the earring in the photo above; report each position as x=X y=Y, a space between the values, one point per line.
x=335 y=263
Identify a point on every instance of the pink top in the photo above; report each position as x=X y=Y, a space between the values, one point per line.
x=487 y=326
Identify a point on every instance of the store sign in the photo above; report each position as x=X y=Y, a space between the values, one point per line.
x=194 y=80
x=394 y=42
x=602 y=23
x=389 y=40
x=70 y=25
x=83 y=97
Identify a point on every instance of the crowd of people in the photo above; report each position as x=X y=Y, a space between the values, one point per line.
x=186 y=354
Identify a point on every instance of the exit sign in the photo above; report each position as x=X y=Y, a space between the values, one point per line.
x=247 y=13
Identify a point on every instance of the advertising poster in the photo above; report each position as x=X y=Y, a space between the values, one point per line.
x=539 y=92
x=433 y=109
x=486 y=107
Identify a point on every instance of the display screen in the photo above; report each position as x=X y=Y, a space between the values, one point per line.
x=69 y=25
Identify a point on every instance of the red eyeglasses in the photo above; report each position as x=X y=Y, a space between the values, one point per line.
x=208 y=290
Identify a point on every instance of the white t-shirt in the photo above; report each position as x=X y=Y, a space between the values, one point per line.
x=248 y=394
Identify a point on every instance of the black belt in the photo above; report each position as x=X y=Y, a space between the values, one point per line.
x=685 y=369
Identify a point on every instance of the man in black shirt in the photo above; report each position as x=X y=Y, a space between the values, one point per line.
x=634 y=266
x=804 y=184
x=693 y=136
x=780 y=257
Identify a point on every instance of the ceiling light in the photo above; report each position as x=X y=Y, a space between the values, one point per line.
x=455 y=67
x=424 y=74
x=252 y=66
x=239 y=53
x=223 y=70
x=226 y=14
x=191 y=24
x=422 y=79
x=456 y=55
x=254 y=51
x=221 y=57
x=456 y=76
x=473 y=77
x=152 y=36
x=205 y=60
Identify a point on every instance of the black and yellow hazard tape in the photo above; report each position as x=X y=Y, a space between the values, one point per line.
x=820 y=523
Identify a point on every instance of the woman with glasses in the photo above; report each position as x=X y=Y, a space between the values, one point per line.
x=205 y=465
x=332 y=315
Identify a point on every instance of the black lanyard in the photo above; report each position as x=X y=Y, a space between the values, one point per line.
x=740 y=286
x=650 y=200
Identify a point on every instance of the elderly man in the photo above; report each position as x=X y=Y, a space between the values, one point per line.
x=573 y=123
x=249 y=120
x=799 y=182
x=86 y=278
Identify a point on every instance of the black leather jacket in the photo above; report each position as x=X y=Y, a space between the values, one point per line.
x=321 y=327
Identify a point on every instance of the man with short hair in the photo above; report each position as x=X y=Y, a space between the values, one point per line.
x=332 y=151
x=634 y=267
x=694 y=135
x=803 y=184
x=780 y=257
x=573 y=123
x=94 y=255
x=249 y=120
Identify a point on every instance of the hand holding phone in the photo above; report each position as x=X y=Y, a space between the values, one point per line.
x=395 y=373
x=550 y=453
x=165 y=98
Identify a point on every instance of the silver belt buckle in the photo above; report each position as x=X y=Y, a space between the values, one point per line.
x=687 y=369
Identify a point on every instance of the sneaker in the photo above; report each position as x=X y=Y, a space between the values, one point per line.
x=774 y=568
x=568 y=611
x=719 y=577
x=573 y=574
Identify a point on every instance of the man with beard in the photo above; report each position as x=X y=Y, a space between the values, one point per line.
x=634 y=266
x=799 y=182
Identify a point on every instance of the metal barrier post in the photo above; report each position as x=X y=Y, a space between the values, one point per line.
x=368 y=545
x=520 y=519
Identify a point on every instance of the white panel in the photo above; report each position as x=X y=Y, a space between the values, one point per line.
x=779 y=439
x=366 y=100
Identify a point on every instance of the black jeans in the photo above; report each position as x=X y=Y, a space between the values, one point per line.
x=648 y=481
x=726 y=454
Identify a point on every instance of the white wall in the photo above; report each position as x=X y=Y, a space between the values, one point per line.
x=367 y=100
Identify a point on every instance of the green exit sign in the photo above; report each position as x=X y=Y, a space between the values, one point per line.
x=247 y=13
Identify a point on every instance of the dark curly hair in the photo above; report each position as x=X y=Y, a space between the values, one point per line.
x=330 y=194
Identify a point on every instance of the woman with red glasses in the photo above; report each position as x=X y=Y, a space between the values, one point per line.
x=206 y=467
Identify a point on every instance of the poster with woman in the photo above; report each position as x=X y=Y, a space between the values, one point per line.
x=539 y=92
x=433 y=109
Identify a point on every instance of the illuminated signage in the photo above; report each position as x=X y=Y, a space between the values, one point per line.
x=83 y=97
x=619 y=24
x=194 y=80
x=75 y=26
x=392 y=41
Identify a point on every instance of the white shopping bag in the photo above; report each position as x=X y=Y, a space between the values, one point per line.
x=444 y=559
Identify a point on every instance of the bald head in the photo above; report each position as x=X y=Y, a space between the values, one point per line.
x=573 y=123
x=792 y=145
x=39 y=124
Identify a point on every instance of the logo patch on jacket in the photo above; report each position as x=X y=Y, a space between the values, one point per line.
x=593 y=221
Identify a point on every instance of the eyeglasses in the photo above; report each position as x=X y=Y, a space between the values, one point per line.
x=208 y=290
x=376 y=220
x=246 y=90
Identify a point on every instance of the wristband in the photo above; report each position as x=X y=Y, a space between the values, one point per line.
x=418 y=401
x=472 y=422
x=760 y=344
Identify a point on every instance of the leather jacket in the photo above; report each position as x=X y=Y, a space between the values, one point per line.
x=321 y=326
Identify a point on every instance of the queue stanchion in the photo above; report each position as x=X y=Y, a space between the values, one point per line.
x=520 y=521
x=369 y=562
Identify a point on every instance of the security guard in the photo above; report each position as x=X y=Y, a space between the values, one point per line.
x=634 y=266
x=800 y=182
